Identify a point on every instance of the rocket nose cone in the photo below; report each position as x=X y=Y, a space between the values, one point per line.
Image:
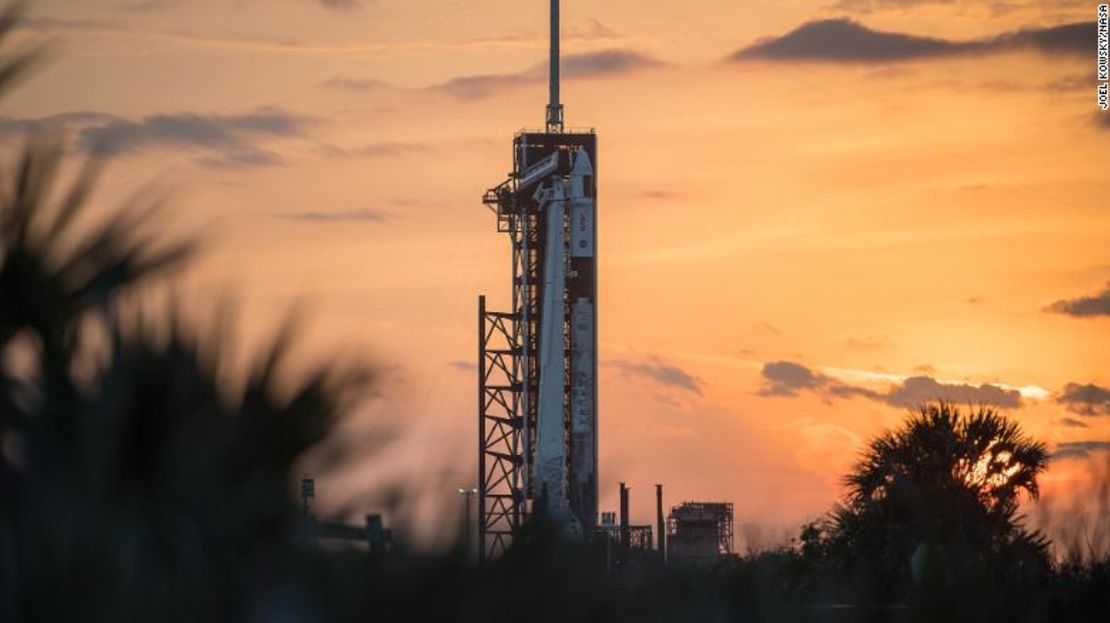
x=582 y=164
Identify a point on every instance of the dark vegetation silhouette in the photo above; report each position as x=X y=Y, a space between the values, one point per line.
x=138 y=483
x=931 y=513
x=940 y=497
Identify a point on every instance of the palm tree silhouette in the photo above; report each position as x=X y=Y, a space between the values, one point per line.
x=943 y=490
x=138 y=488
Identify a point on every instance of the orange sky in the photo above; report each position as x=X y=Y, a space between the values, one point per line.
x=870 y=219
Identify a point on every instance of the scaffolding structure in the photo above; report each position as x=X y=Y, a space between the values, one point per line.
x=509 y=370
x=500 y=492
x=699 y=532
x=537 y=370
x=639 y=538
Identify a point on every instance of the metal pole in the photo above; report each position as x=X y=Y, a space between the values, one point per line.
x=659 y=522
x=624 y=519
x=481 y=434
x=554 y=107
x=469 y=495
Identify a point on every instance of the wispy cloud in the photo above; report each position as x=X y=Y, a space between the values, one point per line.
x=1071 y=422
x=116 y=28
x=587 y=65
x=1085 y=399
x=363 y=216
x=789 y=379
x=380 y=149
x=660 y=372
x=144 y=6
x=354 y=84
x=991 y=7
x=657 y=194
x=1079 y=449
x=868 y=6
x=845 y=40
x=65 y=122
x=1097 y=304
x=340 y=5
x=226 y=140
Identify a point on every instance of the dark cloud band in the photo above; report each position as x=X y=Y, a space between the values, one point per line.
x=1085 y=399
x=1085 y=306
x=844 y=40
x=1079 y=449
x=588 y=65
x=662 y=373
x=788 y=379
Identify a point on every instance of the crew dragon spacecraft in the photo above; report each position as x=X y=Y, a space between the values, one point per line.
x=537 y=370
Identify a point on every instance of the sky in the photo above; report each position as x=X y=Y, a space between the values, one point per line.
x=813 y=215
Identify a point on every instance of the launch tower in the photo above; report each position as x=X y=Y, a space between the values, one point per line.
x=537 y=363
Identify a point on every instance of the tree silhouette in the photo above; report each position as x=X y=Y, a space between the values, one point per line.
x=937 y=501
x=135 y=484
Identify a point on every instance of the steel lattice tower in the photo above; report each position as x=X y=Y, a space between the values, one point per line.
x=537 y=370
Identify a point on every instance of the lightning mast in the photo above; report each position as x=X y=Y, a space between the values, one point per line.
x=554 y=107
x=537 y=370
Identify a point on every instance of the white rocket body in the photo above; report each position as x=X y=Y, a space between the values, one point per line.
x=567 y=240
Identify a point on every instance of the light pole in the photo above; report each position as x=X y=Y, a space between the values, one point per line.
x=469 y=493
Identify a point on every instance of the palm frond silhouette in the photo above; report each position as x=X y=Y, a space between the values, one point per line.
x=142 y=490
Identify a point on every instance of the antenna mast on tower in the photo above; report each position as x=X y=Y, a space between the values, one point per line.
x=554 y=107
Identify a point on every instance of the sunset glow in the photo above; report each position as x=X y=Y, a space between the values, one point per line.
x=799 y=239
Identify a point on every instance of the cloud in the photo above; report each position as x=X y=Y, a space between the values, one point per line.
x=65 y=122
x=788 y=379
x=463 y=366
x=593 y=31
x=996 y=7
x=845 y=40
x=657 y=194
x=867 y=6
x=587 y=65
x=364 y=216
x=767 y=327
x=229 y=140
x=605 y=63
x=1090 y=400
x=1078 y=449
x=380 y=149
x=144 y=6
x=242 y=160
x=1072 y=423
x=354 y=84
x=340 y=5
x=483 y=86
x=1084 y=306
x=662 y=373
x=918 y=389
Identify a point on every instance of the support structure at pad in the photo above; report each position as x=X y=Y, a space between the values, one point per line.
x=537 y=374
